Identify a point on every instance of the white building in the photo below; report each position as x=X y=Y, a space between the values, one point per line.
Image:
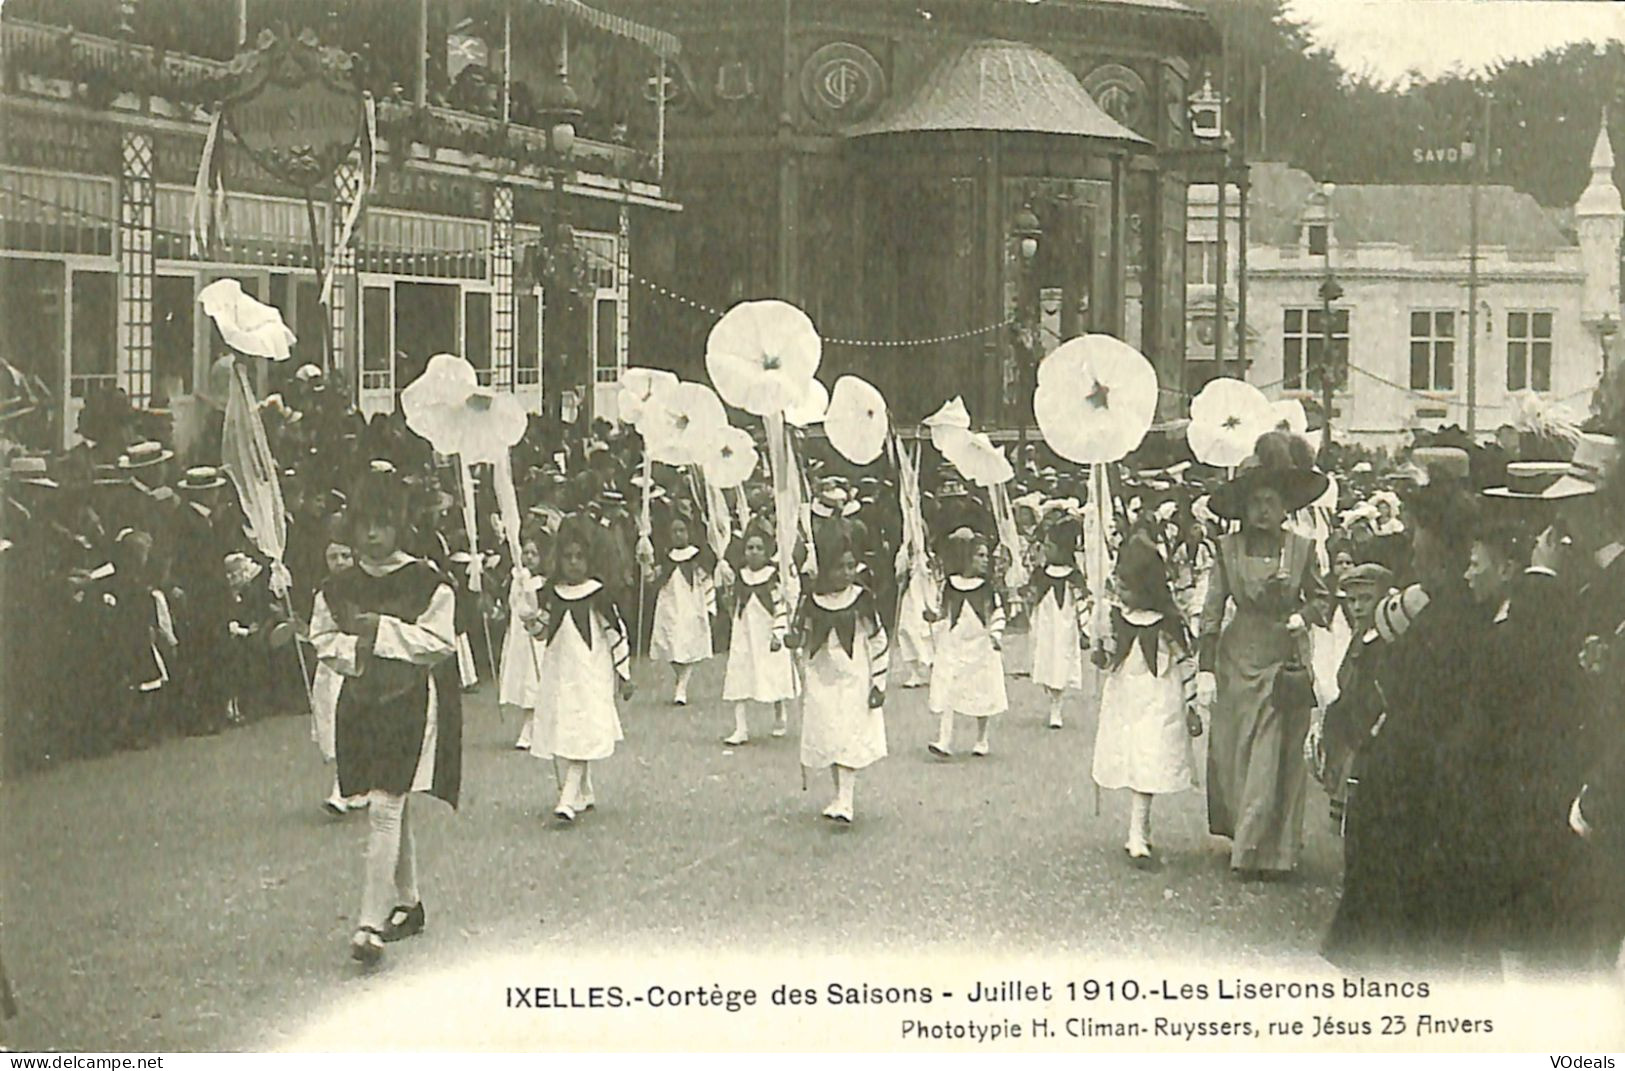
x=1548 y=300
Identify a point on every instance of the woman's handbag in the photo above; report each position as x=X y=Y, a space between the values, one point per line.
x=1294 y=689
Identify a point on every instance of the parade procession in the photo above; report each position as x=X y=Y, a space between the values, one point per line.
x=569 y=472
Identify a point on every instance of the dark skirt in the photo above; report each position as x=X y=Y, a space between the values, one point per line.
x=378 y=742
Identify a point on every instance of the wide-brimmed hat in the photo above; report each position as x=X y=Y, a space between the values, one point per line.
x=143 y=455
x=1298 y=487
x=31 y=471
x=1540 y=481
x=108 y=476
x=1594 y=456
x=201 y=478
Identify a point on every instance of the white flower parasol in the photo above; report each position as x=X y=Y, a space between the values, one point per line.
x=640 y=387
x=1095 y=399
x=249 y=326
x=685 y=426
x=731 y=459
x=1288 y=415
x=812 y=407
x=1227 y=417
x=447 y=406
x=949 y=426
x=978 y=460
x=761 y=355
x=856 y=422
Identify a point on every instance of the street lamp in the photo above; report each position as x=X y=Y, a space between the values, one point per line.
x=1331 y=291
x=1026 y=231
x=1607 y=328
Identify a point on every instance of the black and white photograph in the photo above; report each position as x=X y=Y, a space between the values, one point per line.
x=911 y=526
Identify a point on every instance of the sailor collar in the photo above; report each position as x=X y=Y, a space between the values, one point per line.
x=389 y=565
x=835 y=601
x=1058 y=572
x=1142 y=618
x=753 y=577
x=966 y=583
x=576 y=592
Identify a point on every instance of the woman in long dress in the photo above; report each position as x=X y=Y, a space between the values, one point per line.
x=1257 y=775
x=838 y=630
x=585 y=653
x=388 y=627
x=760 y=669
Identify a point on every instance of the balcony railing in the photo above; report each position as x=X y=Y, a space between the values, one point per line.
x=99 y=70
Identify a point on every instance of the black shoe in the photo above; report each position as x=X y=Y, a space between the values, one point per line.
x=404 y=922
x=367 y=946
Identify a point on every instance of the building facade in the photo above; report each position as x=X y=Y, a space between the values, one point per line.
x=1547 y=309
x=949 y=189
x=460 y=246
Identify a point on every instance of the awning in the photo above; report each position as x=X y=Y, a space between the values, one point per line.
x=663 y=44
x=1002 y=86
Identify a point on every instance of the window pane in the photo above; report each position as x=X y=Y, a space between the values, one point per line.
x=1518 y=324
x=1517 y=356
x=1540 y=372
x=1444 y=324
x=1340 y=321
x=608 y=341
x=375 y=329
x=1292 y=365
x=1420 y=324
x=1444 y=366
x=1317 y=240
x=1542 y=325
x=1316 y=322
x=477 y=329
x=1294 y=320
x=530 y=332
x=172 y=320
x=1419 y=366
x=95 y=323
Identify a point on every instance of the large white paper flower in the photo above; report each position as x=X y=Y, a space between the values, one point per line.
x=731 y=458
x=978 y=459
x=447 y=406
x=761 y=354
x=1288 y=415
x=249 y=326
x=812 y=407
x=1227 y=417
x=685 y=424
x=856 y=421
x=640 y=387
x=1095 y=399
x=950 y=426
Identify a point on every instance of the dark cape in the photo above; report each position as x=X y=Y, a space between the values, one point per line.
x=383 y=713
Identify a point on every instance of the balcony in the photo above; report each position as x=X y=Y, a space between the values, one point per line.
x=489 y=117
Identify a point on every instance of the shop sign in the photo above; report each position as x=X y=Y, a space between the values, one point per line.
x=296 y=111
x=417 y=190
x=175 y=159
x=33 y=139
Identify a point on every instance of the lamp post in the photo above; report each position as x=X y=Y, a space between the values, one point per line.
x=560 y=269
x=1607 y=328
x=1026 y=231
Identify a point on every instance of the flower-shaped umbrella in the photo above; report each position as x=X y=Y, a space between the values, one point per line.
x=856 y=421
x=978 y=460
x=248 y=326
x=685 y=426
x=731 y=459
x=811 y=408
x=1288 y=415
x=640 y=388
x=1227 y=418
x=1095 y=399
x=447 y=406
x=950 y=426
x=761 y=355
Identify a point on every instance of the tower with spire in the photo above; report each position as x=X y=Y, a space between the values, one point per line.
x=1600 y=219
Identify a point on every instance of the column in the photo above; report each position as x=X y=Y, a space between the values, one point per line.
x=623 y=291
x=503 y=305
x=344 y=351
x=135 y=268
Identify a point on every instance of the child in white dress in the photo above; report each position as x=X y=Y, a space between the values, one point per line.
x=1059 y=605
x=520 y=657
x=685 y=603
x=760 y=668
x=968 y=677
x=584 y=650
x=1148 y=704
x=837 y=628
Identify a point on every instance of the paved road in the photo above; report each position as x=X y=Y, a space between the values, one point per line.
x=194 y=896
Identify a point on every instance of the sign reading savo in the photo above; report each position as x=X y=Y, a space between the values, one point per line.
x=1444 y=154
x=297 y=111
